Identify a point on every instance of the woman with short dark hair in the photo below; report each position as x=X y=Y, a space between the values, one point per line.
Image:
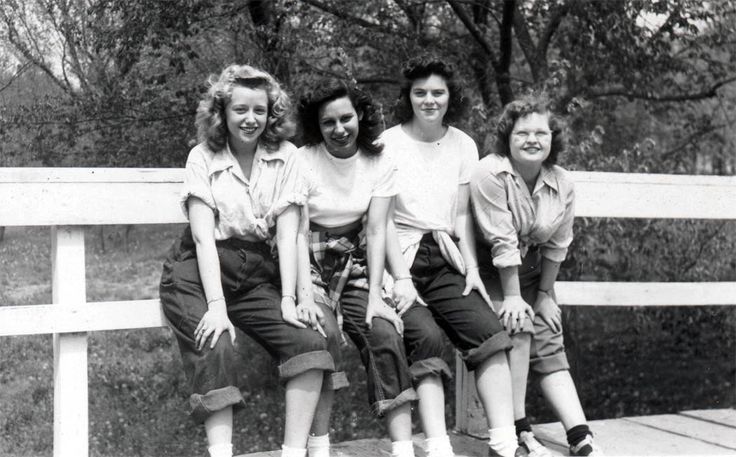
x=435 y=238
x=350 y=182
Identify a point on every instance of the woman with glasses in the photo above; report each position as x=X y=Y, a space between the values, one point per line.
x=524 y=209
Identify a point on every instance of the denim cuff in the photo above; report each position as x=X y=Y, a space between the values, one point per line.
x=380 y=407
x=314 y=360
x=497 y=343
x=203 y=405
x=335 y=381
x=430 y=366
x=550 y=363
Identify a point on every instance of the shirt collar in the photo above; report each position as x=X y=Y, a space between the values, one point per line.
x=225 y=159
x=546 y=175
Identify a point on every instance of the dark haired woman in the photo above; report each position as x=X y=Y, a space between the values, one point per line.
x=350 y=183
x=524 y=207
x=239 y=183
x=436 y=238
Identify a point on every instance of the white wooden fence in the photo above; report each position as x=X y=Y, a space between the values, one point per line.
x=69 y=199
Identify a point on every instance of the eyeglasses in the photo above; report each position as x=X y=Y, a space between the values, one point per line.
x=539 y=135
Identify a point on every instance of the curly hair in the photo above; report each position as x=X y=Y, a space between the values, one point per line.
x=424 y=67
x=211 y=120
x=370 y=125
x=524 y=106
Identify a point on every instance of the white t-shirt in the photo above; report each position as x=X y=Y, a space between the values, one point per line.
x=428 y=177
x=339 y=191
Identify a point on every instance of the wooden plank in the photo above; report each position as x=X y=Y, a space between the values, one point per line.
x=717 y=434
x=592 y=293
x=626 y=438
x=70 y=350
x=90 y=203
x=22 y=175
x=599 y=194
x=72 y=196
x=725 y=417
x=81 y=317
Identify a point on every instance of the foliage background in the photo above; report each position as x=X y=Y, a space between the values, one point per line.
x=646 y=85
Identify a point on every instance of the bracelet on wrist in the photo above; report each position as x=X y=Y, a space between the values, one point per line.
x=214 y=300
x=293 y=297
x=402 y=277
x=545 y=291
x=472 y=267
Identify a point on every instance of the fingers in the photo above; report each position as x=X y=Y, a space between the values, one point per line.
x=468 y=288
x=292 y=320
x=231 y=329
x=529 y=312
x=215 y=336
x=486 y=297
x=321 y=330
x=398 y=324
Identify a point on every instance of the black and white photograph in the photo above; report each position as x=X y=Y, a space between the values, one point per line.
x=377 y=228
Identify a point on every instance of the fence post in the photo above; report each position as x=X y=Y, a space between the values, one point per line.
x=70 y=349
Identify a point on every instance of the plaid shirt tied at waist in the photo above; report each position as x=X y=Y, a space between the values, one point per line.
x=337 y=261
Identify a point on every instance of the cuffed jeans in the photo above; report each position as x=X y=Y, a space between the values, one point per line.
x=250 y=282
x=547 y=350
x=468 y=321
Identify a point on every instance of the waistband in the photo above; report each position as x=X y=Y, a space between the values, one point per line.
x=187 y=242
x=348 y=229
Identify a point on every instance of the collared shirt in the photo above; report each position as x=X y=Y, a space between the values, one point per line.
x=244 y=208
x=511 y=219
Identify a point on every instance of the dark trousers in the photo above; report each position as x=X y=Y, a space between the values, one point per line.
x=250 y=284
x=468 y=321
x=381 y=351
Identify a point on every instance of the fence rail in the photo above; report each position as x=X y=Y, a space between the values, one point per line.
x=69 y=199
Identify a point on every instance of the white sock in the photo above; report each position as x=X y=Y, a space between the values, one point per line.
x=319 y=446
x=503 y=440
x=287 y=451
x=439 y=446
x=221 y=450
x=401 y=449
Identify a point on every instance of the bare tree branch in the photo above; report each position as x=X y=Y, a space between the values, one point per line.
x=474 y=32
x=340 y=13
x=16 y=75
x=619 y=91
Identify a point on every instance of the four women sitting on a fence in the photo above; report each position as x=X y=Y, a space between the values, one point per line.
x=350 y=202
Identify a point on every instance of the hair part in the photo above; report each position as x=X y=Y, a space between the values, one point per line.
x=211 y=119
x=424 y=67
x=370 y=124
x=524 y=106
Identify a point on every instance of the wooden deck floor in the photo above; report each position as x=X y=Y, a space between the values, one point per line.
x=702 y=432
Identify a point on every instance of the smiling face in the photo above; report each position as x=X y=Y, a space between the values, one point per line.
x=246 y=115
x=430 y=98
x=531 y=140
x=339 y=124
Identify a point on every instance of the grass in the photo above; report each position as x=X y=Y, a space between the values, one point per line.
x=650 y=361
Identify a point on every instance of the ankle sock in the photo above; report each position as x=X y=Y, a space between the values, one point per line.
x=503 y=440
x=577 y=434
x=287 y=451
x=522 y=425
x=400 y=449
x=318 y=446
x=221 y=450
x=439 y=446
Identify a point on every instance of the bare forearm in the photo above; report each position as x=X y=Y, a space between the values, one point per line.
x=548 y=275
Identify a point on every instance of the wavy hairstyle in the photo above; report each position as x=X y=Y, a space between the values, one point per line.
x=424 y=67
x=370 y=125
x=524 y=106
x=211 y=120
